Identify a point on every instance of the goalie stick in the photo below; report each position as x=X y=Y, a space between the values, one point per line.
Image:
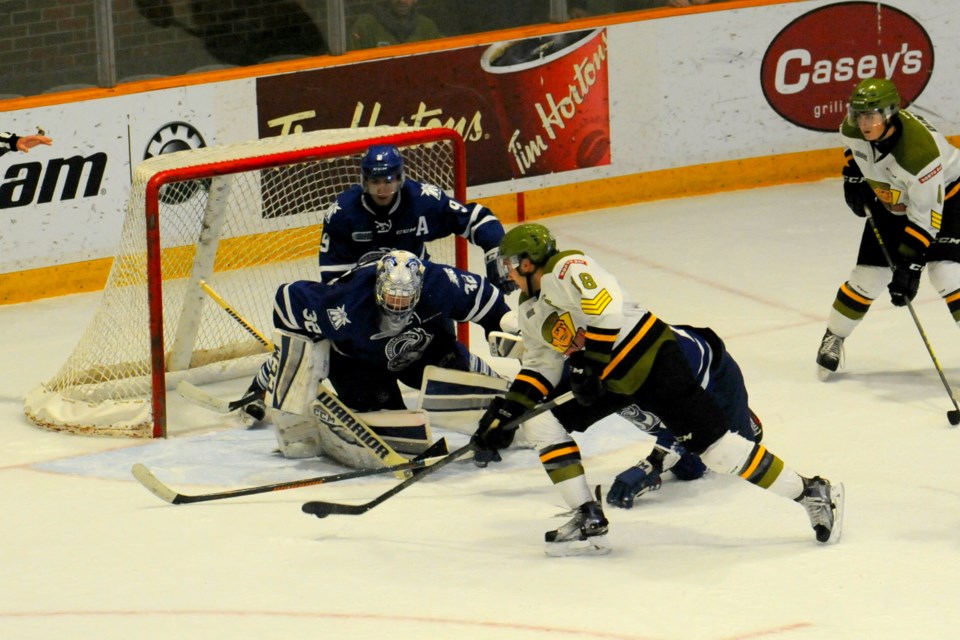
x=152 y=484
x=201 y=398
x=323 y=509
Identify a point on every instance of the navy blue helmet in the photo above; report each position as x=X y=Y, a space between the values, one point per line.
x=382 y=161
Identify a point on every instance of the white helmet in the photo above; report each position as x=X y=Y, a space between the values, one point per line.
x=399 y=282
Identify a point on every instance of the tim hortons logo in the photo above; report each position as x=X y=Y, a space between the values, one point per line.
x=807 y=76
x=60 y=179
x=470 y=127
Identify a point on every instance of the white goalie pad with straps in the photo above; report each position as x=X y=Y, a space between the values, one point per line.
x=299 y=366
x=503 y=344
x=453 y=390
x=406 y=431
x=348 y=439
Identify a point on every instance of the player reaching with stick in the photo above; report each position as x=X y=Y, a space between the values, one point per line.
x=573 y=311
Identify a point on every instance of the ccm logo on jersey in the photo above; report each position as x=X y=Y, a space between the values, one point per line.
x=568 y=264
x=937 y=170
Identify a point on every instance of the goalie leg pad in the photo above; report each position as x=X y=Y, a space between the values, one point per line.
x=347 y=439
x=405 y=431
x=505 y=345
x=300 y=365
x=297 y=435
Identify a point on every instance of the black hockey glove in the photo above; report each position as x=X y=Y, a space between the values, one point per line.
x=585 y=379
x=906 y=281
x=856 y=190
x=495 y=274
x=489 y=436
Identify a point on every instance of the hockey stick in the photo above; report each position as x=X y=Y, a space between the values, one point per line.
x=953 y=416
x=324 y=509
x=165 y=493
x=236 y=316
x=201 y=398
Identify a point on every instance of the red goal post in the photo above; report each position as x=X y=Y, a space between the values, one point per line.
x=244 y=218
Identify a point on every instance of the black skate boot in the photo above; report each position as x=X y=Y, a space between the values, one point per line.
x=584 y=535
x=828 y=357
x=824 y=504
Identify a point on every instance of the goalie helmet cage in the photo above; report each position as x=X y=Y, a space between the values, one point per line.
x=244 y=218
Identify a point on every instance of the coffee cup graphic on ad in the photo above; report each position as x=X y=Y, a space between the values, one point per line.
x=552 y=100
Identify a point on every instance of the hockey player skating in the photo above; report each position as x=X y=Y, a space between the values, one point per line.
x=388 y=211
x=381 y=323
x=619 y=353
x=906 y=175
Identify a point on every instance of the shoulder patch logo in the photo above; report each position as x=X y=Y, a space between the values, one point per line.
x=430 y=191
x=338 y=317
x=567 y=264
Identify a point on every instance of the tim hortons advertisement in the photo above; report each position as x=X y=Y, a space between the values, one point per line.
x=524 y=108
x=811 y=67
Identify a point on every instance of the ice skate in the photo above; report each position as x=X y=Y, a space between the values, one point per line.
x=584 y=535
x=828 y=357
x=824 y=504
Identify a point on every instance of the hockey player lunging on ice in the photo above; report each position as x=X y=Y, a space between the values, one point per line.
x=901 y=171
x=379 y=324
x=390 y=211
x=619 y=353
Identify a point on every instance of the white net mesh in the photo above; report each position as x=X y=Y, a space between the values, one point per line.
x=244 y=218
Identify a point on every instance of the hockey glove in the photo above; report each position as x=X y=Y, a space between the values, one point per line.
x=489 y=436
x=856 y=190
x=585 y=379
x=639 y=479
x=906 y=281
x=496 y=273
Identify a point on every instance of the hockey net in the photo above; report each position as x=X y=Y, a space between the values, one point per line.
x=243 y=218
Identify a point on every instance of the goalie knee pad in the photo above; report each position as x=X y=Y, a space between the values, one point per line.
x=299 y=366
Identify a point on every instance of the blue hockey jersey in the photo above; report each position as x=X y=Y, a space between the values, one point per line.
x=421 y=213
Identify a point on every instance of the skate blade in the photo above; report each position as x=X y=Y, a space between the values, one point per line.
x=823 y=374
x=837 y=496
x=592 y=546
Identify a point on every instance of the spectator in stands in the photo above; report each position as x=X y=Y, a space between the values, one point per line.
x=13 y=142
x=391 y=22
x=492 y=15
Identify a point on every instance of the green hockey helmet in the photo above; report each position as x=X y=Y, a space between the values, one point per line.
x=530 y=240
x=874 y=95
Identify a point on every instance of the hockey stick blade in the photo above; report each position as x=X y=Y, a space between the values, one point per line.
x=152 y=484
x=324 y=509
x=201 y=398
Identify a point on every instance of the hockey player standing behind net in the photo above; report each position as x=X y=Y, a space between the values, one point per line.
x=389 y=211
x=906 y=175
x=379 y=324
x=618 y=353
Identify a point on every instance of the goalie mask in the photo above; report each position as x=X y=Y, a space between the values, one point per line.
x=382 y=170
x=399 y=282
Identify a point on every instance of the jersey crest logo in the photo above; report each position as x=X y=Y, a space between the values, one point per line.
x=338 y=317
x=431 y=191
x=560 y=332
x=383 y=226
x=890 y=198
x=405 y=349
